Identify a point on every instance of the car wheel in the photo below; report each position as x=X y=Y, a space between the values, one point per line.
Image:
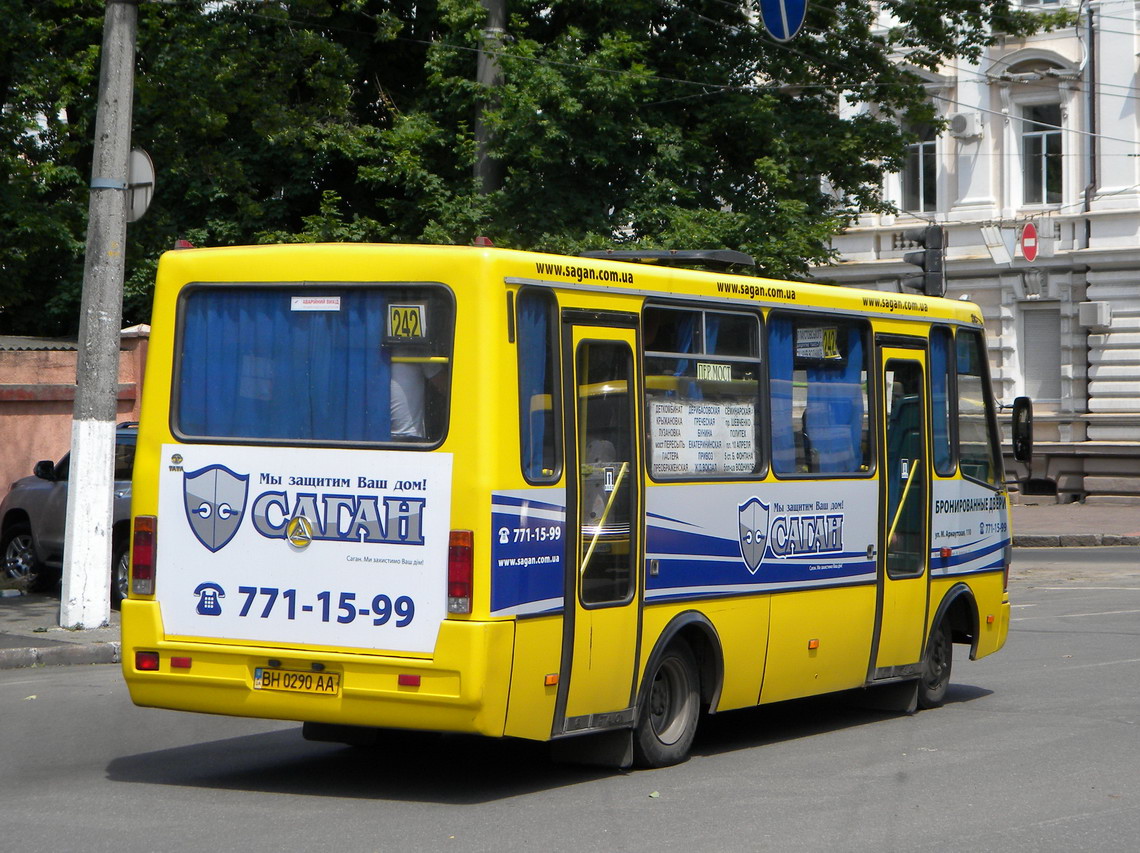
x=120 y=572
x=19 y=558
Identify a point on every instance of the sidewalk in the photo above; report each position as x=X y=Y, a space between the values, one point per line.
x=30 y=634
x=1066 y=525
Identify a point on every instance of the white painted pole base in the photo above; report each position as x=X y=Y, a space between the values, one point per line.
x=86 y=598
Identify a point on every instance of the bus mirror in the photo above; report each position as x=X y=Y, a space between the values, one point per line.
x=1023 y=429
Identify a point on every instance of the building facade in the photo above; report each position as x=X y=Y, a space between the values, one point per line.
x=1042 y=131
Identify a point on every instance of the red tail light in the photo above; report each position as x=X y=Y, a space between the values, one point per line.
x=460 y=569
x=142 y=556
x=146 y=661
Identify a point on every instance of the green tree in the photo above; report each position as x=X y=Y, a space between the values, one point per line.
x=652 y=123
x=48 y=77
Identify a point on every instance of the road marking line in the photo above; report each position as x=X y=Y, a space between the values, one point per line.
x=1076 y=615
x=1102 y=663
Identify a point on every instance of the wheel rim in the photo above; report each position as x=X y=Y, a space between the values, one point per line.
x=122 y=577
x=20 y=559
x=669 y=701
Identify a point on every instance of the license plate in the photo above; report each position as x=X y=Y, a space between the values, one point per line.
x=291 y=681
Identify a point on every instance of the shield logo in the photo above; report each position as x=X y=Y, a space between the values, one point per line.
x=215 y=504
x=753 y=532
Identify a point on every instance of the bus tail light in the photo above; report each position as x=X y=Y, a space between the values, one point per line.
x=146 y=661
x=142 y=556
x=460 y=569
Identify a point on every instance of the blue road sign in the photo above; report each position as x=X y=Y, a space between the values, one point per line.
x=783 y=18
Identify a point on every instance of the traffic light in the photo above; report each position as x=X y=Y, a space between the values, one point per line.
x=932 y=238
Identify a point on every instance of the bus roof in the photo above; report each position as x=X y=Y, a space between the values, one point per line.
x=312 y=263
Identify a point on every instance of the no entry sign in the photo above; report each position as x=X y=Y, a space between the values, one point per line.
x=1029 y=242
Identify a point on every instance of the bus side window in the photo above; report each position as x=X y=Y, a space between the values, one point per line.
x=817 y=369
x=702 y=388
x=940 y=361
x=541 y=451
x=977 y=438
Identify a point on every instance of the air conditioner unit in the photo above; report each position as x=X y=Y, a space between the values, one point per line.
x=966 y=125
x=1094 y=315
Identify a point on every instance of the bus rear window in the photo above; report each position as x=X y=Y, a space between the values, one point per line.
x=357 y=364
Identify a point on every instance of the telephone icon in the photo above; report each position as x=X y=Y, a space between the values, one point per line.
x=208 y=595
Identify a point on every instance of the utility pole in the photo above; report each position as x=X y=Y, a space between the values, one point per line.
x=87 y=543
x=490 y=75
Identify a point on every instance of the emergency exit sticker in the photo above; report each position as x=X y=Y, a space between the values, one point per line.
x=315 y=303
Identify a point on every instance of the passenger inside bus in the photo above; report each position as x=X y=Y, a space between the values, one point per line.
x=411 y=383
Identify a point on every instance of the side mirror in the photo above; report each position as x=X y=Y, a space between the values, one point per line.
x=45 y=470
x=1023 y=429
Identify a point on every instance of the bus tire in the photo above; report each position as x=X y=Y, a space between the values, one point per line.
x=668 y=710
x=936 y=665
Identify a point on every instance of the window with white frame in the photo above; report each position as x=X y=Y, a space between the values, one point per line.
x=1041 y=152
x=920 y=173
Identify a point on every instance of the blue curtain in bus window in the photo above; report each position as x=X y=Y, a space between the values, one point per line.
x=712 y=327
x=834 y=414
x=686 y=332
x=683 y=341
x=781 y=364
x=534 y=357
x=252 y=367
x=940 y=397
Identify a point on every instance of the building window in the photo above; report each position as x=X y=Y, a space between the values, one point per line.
x=1041 y=153
x=920 y=173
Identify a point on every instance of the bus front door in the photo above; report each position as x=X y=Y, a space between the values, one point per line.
x=903 y=563
x=603 y=584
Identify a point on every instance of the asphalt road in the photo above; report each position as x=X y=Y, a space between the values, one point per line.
x=1037 y=749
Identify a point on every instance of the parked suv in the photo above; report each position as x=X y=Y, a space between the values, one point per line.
x=33 y=518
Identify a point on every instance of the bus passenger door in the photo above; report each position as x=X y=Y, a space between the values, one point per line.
x=904 y=549
x=603 y=583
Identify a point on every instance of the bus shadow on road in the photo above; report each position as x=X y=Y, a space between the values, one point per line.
x=750 y=728
x=406 y=766
x=459 y=769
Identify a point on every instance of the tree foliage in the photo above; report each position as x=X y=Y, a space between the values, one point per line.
x=649 y=123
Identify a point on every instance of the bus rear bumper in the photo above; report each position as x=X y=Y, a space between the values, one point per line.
x=462 y=688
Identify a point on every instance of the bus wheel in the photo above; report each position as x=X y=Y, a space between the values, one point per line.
x=667 y=716
x=936 y=663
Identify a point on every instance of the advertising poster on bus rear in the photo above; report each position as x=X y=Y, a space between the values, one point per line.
x=323 y=547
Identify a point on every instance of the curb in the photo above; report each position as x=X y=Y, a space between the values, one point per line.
x=74 y=653
x=1072 y=540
